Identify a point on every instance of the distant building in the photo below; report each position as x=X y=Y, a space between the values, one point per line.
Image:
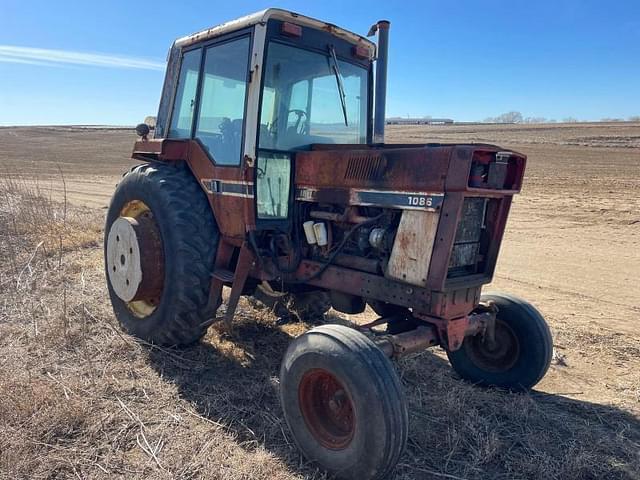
x=418 y=121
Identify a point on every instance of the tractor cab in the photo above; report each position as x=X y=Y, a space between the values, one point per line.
x=252 y=92
x=311 y=82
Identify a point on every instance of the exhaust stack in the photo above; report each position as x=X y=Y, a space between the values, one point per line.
x=380 y=99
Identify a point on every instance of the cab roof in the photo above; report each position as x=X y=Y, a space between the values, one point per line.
x=273 y=13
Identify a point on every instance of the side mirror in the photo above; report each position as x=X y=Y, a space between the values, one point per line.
x=142 y=129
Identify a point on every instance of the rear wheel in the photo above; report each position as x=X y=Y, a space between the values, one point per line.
x=518 y=357
x=160 y=243
x=343 y=402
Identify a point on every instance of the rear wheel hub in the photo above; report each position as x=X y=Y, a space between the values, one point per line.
x=135 y=260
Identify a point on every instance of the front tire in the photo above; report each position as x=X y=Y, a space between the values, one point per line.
x=520 y=355
x=160 y=234
x=344 y=403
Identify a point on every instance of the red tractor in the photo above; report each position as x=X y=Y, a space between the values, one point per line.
x=268 y=173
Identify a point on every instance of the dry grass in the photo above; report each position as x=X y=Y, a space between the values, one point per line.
x=27 y=212
x=80 y=399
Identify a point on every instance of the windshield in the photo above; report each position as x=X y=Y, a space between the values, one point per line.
x=306 y=99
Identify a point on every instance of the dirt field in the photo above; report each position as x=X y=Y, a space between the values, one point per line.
x=87 y=406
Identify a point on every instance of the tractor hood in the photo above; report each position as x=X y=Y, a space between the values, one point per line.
x=433 y=168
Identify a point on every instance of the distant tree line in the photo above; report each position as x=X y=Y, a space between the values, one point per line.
x=517 y=117
x=634 y=118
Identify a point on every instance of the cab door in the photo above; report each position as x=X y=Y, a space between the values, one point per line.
x=210 y=109
x=274 y=172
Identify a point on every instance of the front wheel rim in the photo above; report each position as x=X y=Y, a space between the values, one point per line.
x=327 y=409
x=498 y=356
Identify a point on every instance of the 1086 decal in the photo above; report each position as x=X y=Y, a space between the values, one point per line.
x=381 y=198
x=419 y=201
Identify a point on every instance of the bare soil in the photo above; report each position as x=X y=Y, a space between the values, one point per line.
x=83 y=400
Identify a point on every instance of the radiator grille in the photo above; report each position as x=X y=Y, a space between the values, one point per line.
x=366 y=167
x=467 y=253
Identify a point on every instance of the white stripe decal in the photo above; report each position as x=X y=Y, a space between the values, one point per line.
x=382 y=198
x=232 y=188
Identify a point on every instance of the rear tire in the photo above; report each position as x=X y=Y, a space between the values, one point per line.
x=521 y=355
x=343 y=402
x=171 y=196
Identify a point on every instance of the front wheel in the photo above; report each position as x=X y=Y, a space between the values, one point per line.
x=518 y=357
x=343 y=402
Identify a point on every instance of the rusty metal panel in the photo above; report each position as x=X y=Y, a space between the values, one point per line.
x=416 y=169
x=459 y=168
x=447 y=226
x=366 y=285
x=412 y=248
x=146 y=147
x=162 y=149
x=455 y=303
x=233 y=213
x=496 y=224
x=229 y=210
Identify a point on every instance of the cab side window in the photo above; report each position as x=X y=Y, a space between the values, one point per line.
x=185 y=99
x=220 y=121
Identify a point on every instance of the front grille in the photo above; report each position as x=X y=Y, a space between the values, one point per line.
x=367 y=167
x=467 y=252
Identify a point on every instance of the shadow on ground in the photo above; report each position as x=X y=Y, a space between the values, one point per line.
x=457 y=430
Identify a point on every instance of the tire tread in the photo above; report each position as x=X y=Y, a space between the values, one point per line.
x=189 y=215
x=388 y=384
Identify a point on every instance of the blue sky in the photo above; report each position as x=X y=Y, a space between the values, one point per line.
x=460 y=59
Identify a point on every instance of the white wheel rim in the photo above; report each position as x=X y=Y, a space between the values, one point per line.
x=123 y=258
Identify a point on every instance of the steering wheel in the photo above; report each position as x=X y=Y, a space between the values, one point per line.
x=301 y=127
